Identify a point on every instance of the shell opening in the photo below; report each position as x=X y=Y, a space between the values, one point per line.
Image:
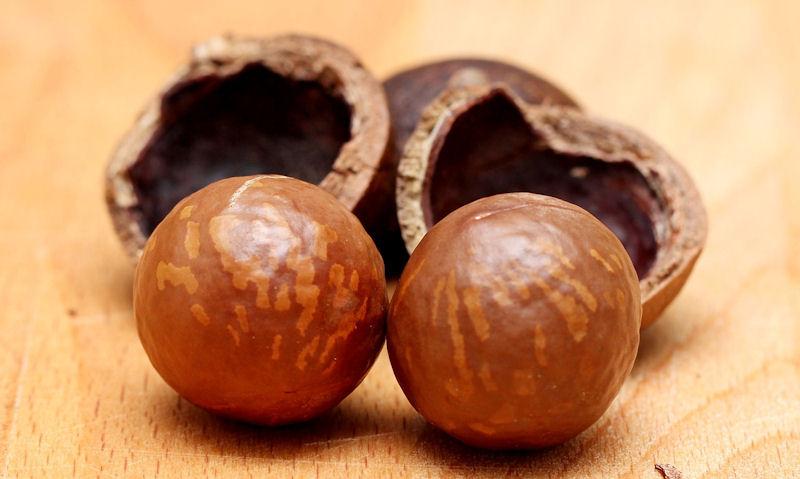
x=491 y=149
x=253 y=121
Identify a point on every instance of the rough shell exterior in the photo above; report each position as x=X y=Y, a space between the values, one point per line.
x=361 y=176
x=515 y=322
x=261 y=299
x=680 y=224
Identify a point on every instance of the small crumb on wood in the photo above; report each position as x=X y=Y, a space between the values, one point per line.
x=72 y=312
x=669 y=471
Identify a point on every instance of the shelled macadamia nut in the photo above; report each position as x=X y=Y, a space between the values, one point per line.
x=261 y=299
x=515 y=322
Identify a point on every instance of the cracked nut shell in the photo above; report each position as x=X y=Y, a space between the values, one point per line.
x=515 y=322
x=261 y=299
x=291 y=105
x=474 y=142
x=411 y=90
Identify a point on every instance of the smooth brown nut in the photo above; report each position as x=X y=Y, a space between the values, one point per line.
x=515 y=322
x=476 y=142
x=261 y=299
x=292 y=105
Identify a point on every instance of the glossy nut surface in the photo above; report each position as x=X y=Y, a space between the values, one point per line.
x=261 y=299
x=515 y=322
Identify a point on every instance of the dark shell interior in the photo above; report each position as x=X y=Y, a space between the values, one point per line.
x=252 y=122
x=491 y=149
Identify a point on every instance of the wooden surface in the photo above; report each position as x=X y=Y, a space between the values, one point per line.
x=716 y=387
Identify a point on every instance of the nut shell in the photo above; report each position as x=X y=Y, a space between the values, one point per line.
x=292 y=105
x=479 y=141
x=411 y=90
x=515 y=322
x=261 y=299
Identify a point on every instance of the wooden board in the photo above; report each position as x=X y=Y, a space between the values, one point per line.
x=716 y=387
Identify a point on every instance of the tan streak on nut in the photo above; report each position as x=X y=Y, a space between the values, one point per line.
x=186 y=212
x=346 y=327
x=336 y=277
x=200 y=314
x=586 y=297
x=276 y=347
x=307 y=352
x=573 y=313
x=596 y=255
x=459 y=350
x=616 y=260
x=609 y=300
x=241 y=318
x=407 y=356
x=282 y=301
x=325 y=235
x=472 y=300
x=401 y=291
x=306 y=293
x=192 y=241
x=482 y=428
x=234 y=334
x=485 y=375
x=437 y=297
x=554 y=250
x=621 y=300
x=177 y=275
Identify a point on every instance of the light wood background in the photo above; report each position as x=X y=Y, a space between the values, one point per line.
x=716 y=387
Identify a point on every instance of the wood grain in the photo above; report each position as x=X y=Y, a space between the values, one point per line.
x=716 y=387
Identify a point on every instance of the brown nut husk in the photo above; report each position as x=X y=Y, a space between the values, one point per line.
x=292 y=105
x=411 y=90
x=515 y=322
x=261 y=299
x=476 y=142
